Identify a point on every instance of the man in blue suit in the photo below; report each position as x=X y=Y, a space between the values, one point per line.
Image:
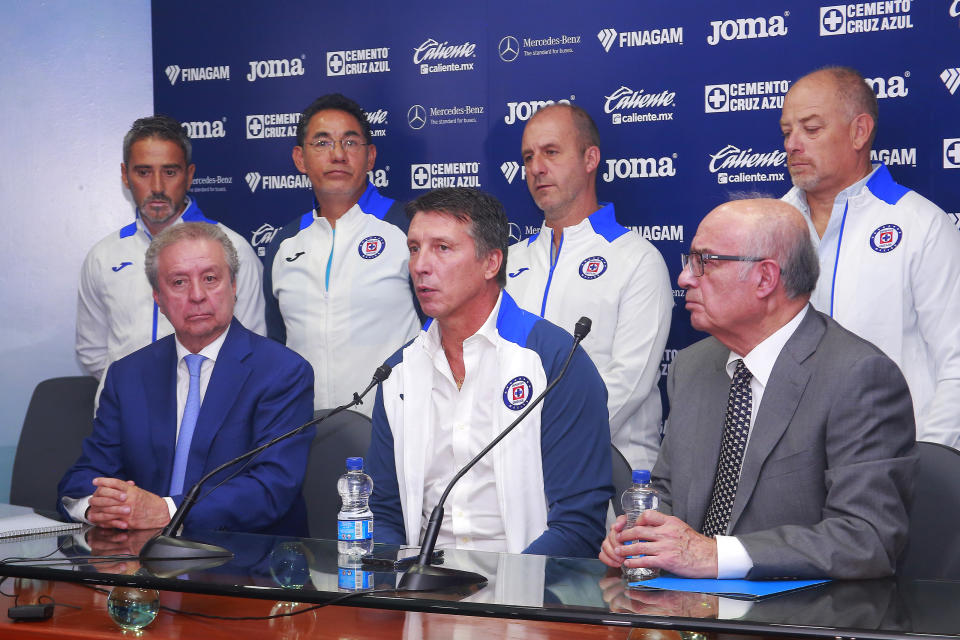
x=178 y=408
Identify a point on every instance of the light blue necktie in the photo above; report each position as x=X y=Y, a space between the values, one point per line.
x=190 y=412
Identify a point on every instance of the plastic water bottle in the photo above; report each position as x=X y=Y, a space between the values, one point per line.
x=637 y=499
x=355 y=520
x=351 y=575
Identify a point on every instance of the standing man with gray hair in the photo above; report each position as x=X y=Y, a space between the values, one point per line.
x=115 y=311
x=790 y=448
x=185 y=404
x=583 y=262
x=889 y=258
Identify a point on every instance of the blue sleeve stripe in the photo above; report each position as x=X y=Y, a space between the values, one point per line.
x=373 y=203
x=882 y=186
x=129 y=230
x=513 y=323
x=193 y=214
x=305 y=220
x=604 y=223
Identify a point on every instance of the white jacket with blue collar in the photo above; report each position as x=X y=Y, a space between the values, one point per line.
x=553 y=471
x=895 y=281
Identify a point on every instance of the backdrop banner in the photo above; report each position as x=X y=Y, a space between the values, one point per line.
x=687 y=97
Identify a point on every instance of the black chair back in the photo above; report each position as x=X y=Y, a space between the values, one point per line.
x=59 y=417
x=933 y=545
x=622 y=478
x=344 y=435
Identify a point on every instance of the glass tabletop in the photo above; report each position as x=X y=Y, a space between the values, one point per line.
x=517 y=586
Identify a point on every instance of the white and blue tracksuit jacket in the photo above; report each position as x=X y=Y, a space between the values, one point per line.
x=552 y=472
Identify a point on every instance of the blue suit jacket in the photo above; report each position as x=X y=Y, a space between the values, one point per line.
x=258 y=390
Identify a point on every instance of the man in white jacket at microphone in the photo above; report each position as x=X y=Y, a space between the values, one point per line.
x=468 y=374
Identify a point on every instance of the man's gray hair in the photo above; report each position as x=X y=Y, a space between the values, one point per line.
x=775 y=236
x=855 y=95
x=161 y=127
x=189 y=231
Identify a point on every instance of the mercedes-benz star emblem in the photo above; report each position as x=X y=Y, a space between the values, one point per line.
x=416 y=116
x=508 y=48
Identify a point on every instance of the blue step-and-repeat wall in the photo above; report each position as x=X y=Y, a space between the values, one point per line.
x=686 y=94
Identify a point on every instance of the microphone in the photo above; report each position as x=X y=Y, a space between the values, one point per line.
x=166 y=555
x=425 y=577
x=582 y=328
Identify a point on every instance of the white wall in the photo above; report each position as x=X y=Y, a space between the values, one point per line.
x=74 y=76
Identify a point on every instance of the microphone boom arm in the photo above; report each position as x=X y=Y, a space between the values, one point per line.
x=167 y=547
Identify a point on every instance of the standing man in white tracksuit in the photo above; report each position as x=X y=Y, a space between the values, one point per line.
x=584 y=263
x=336 y=283
x=116 y=313
x=889 y=258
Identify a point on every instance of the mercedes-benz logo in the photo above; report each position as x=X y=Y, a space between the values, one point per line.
x=416 y=116
x=515 y=234
x=508 y=48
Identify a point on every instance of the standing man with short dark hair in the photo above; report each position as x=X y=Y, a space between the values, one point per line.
x=116 y=314
x=468 y=374
x=889 y=258
x=583 y=262
x=182 y=406
x=789 y=451
x=336 y=282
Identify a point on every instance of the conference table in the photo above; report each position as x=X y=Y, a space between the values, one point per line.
x=525 y=596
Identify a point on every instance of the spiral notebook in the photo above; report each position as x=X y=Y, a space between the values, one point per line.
x=29 y=524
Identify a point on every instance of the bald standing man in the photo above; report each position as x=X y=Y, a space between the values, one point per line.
x=889 y=258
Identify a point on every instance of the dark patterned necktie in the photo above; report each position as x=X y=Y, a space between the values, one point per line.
x=735 y=430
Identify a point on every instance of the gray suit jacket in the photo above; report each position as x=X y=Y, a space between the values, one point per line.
x=828 y=472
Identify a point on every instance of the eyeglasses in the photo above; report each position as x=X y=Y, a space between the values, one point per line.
x=349 y=145
x=696 y=259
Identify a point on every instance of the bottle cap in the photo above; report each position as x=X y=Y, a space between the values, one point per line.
x=354 y=464
x=641 y=476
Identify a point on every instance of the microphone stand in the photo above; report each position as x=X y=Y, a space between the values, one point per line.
x=167 y=555
x=423 y=576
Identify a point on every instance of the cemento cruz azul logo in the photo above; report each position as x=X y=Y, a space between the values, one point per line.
x=865 y=17
x=445 y=174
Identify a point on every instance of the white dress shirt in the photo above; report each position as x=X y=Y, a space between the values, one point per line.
x=472 y=518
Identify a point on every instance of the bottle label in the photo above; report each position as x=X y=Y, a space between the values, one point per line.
x=355 y=529
x=354 y=579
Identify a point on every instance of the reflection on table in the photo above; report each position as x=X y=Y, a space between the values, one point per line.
x=519 y=587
